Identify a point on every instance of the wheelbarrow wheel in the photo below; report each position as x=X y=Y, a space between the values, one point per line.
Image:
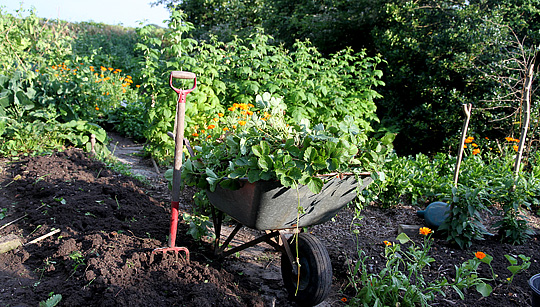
x=315 y=280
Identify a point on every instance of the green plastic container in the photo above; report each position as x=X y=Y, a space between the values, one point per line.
x=435 y=214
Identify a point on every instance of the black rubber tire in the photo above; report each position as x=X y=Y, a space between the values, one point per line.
x=315 y=271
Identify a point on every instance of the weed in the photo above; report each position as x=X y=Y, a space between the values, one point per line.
x=3 y=213
x=52 y=301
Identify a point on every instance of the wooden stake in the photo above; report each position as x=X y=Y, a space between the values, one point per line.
x=44 y=236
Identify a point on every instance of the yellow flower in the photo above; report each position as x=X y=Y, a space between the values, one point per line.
x=425 y=231
x=480 y=255
x=387 y=243
x=220 y=114
x=464 y=146
x=216 y=119
x=474 y=145
x=242 y=123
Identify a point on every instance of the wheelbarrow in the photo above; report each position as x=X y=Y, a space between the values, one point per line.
x=268 y=206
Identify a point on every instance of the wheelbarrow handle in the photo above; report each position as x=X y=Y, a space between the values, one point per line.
x=182 y=75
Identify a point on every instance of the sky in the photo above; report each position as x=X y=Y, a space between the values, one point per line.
x=113 y=12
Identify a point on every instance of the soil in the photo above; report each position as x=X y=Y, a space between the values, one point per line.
x=109 y=224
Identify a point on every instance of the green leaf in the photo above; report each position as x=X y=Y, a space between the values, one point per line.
x=315 y=185
x=310 y=154
x=51 y=301
x=265 y=163
x=254 y=175
x=262 y=149
x=514 y=269
x=484 y=289
x=403 y=238
x=512 y=260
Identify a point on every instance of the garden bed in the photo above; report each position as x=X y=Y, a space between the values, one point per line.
x=109 y=224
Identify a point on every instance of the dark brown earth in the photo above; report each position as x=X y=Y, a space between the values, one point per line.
x=110 y=223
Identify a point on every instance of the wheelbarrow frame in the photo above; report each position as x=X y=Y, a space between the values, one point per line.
x=269 y=206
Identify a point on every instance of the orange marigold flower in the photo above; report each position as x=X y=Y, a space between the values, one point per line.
x=195 y=134
x=97 y=109
x=225 y=129
x=209 y=136
x=344 y=299
x=242 y=123
x=234 y=126
x=250 y=113
x=508 y=139
x=137 y=86
x=425 y=231
x=474 y=145
x=387 y=243
x=123 y=90
x=103 y=68
x=464 y=146
x=216 y=119
x=211 y=126
x=220 y=114
x=231 y=109
x=469 y=139
x=476 y=151
x=515 y=147
x=480 y=255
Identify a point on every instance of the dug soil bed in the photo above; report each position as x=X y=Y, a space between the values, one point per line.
x=105 y=226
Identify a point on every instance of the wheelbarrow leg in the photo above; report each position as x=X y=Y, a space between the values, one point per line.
x=177 y=171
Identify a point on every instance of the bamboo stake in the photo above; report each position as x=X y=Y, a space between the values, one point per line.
x=467 y=110
x=526 y=120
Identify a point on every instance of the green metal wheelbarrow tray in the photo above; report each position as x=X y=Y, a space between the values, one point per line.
x=269 y=206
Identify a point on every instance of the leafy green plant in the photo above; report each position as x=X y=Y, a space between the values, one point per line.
x=53 y=300
x=199 y=225
x=3 y=213
x=256 y=142
x=513 y=226
x=464 y=223
x=78 y=260
x=402 y=281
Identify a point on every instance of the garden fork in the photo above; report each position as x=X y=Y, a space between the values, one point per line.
x=178 y=149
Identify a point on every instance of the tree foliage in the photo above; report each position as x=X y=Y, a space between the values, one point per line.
x=439 y=54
